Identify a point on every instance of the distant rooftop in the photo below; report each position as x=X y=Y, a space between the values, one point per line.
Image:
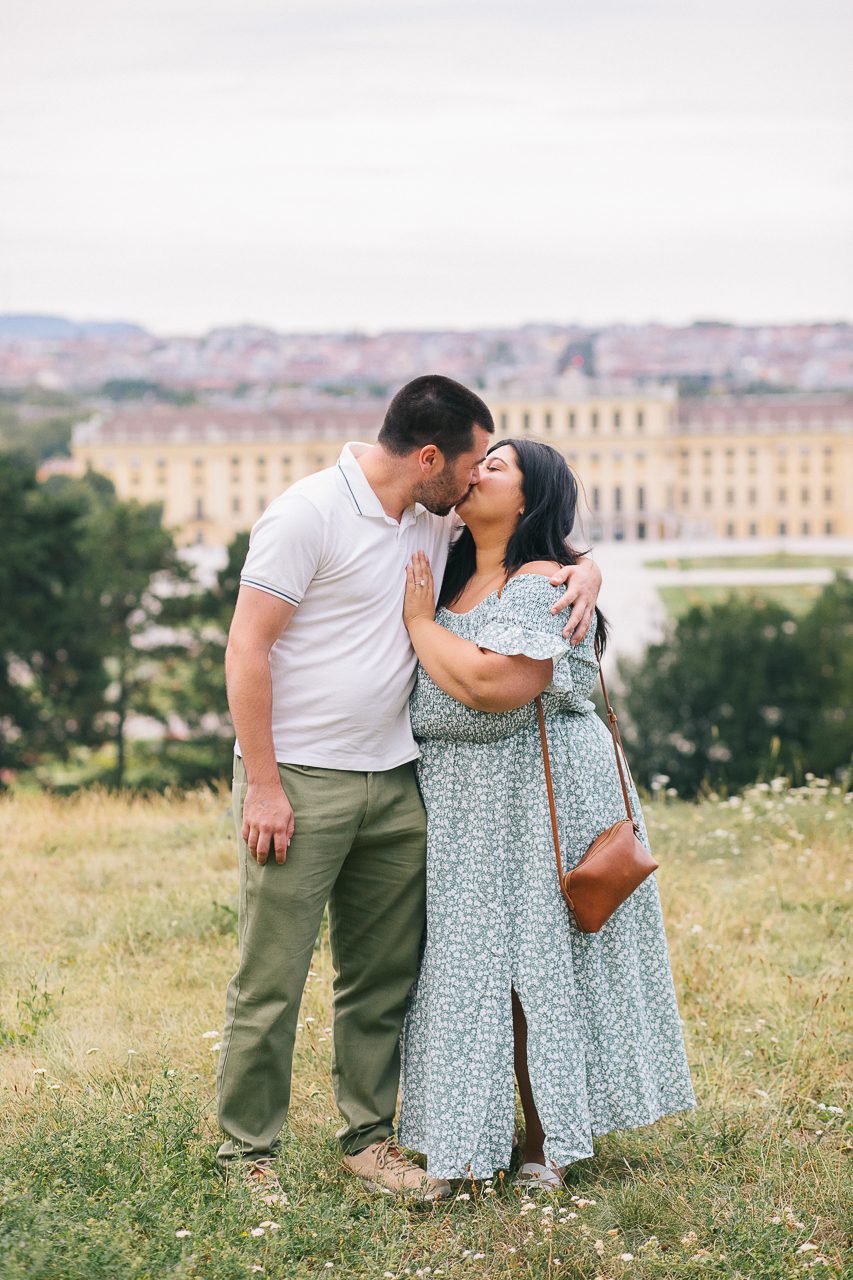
x=197 y=424
x=795 y=411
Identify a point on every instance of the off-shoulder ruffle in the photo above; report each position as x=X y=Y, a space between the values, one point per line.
x=512 y=639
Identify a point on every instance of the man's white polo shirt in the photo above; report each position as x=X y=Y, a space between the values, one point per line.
x=343 y=669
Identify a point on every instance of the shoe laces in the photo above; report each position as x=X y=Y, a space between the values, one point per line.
x=389 y=1156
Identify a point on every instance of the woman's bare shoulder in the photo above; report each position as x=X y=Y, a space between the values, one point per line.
x=547 y=568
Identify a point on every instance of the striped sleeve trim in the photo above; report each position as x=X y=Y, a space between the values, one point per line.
x=273 y=591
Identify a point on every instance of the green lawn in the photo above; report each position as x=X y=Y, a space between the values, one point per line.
x=119 y=935
x=798 y=597
x=773 y=560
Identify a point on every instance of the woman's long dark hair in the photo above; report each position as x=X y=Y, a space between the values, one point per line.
x=550 y=505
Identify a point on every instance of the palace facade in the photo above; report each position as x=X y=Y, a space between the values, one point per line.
x=650 y=466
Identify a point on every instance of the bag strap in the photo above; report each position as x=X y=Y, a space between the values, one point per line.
x=546 y=760
x=617 y=739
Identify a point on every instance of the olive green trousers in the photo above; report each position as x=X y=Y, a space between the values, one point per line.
x=359 y=844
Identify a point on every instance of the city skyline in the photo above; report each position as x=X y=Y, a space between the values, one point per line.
x=361 y=166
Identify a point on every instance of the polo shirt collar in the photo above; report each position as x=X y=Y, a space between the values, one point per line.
x=363 y=498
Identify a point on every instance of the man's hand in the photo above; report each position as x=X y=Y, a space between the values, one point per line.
x=583 y=583
x=267 y=821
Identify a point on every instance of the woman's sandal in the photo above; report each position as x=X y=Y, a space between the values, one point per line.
x=540 y=1176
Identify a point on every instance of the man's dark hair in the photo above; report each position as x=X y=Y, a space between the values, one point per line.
x=434 y=410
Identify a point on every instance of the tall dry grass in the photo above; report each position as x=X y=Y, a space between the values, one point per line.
x=118 y=921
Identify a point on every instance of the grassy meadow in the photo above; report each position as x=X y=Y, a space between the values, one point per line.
x=797 y=596
x=119 y=935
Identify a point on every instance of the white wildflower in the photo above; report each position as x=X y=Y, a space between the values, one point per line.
x=209 y=1035
x=257 y=1231
x=808 y=1247
x=182 y=1234
x=626 y=1257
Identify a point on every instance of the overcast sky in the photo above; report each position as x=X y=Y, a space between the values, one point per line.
x=327 y=164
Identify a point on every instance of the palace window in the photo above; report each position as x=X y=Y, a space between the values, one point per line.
x=593 y=420
x=617 y=498
x=641 y=419
x=572 y=420
x=641 y=498
x=504 y=422
x=617 y=420
x=549 y=422
x=525 y=421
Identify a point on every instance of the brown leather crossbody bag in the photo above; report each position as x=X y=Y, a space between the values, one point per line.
x=616 y=862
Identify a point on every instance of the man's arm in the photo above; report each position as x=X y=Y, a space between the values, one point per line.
x=259 y=619
x=583 y=583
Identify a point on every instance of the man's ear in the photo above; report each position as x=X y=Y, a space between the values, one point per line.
x=430 y=458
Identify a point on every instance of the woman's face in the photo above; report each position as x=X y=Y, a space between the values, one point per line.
x=498 y=494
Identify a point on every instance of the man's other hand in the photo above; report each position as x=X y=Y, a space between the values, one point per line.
x=583 y=583
x=267 y=821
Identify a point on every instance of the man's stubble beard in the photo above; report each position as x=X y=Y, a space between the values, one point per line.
x=438 y=499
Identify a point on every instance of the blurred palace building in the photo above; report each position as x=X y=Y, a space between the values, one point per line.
x=650 y=465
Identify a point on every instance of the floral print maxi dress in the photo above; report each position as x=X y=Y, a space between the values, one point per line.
x=605 y=1045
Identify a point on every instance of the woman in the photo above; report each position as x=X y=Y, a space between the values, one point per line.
x=589 y=1021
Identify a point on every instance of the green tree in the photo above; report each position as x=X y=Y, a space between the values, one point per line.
x=51 y=678
x=739 y=691
x=192 y=680
x=826 y=636
x=131 y=566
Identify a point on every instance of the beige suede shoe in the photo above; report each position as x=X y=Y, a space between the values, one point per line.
x=383 y=1167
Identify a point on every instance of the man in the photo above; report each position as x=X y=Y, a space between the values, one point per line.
x=319 y=670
